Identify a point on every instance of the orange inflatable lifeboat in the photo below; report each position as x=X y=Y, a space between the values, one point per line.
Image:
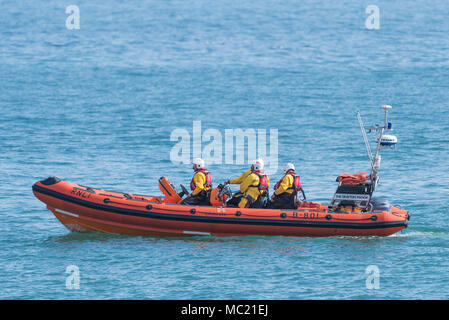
x=352 y=212
x=82 y=208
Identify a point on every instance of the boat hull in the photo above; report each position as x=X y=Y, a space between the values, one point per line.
x=83 y=209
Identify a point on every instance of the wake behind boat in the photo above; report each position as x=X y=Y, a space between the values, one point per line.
x=352 y=212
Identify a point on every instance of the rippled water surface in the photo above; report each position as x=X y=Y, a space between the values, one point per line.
x=96 y=106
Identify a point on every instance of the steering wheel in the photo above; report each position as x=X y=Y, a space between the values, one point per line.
x=184 y=190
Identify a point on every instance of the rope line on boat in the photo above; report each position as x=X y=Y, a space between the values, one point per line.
x=239 y=213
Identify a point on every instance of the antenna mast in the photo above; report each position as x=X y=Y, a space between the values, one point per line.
x=383 y=141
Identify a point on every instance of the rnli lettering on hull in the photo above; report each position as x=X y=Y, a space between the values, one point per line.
x=80 y=193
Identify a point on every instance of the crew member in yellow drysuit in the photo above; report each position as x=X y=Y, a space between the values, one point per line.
x=254 y=185
x=200 y=185
x=285 y=191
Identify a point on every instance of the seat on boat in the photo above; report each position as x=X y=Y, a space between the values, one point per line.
x=169 y=190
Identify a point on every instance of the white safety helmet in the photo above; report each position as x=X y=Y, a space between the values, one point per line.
x=198 y=163
x=258 y=165
x=289 y=166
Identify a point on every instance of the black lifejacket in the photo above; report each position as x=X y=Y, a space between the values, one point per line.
x=208 y=183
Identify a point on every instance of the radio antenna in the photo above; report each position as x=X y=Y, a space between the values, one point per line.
x=383 y=141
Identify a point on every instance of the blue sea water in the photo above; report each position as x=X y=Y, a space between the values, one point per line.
x=96 y=106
